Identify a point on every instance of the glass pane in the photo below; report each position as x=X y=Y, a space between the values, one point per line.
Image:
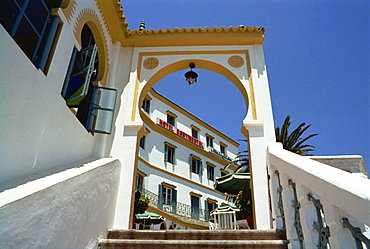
x=101 y=120
x=26 y=38
x=37 y=14
x=106 y=98
x=8 y=14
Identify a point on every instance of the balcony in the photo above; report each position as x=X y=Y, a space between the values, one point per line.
x=174 y=207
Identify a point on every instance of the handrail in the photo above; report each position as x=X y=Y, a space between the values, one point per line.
x=324 y=195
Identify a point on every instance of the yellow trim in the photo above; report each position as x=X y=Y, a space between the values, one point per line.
x=177 y=176
x=113 y=16
x=224 y=171
x=211 y=200
x=182 y=141
x=139 y=172
x=211 y=165
x=192 y=117
x=195 y=37
x=171 y=114
x=195 y=194
x=175 y=219
x=147 y=97
x=89 y=17
x=168 y=185
x=195 y=128
x=208 y=135
x=195 y=157
x=170 y=145
x=203 y=64
x=223 y=144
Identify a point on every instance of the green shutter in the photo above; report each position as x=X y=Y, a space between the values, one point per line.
x=166 y=153
x=174 y=201
x=200 y=168
x=160 y=196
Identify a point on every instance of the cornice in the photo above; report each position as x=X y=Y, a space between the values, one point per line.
x=241 y=35
x=177 y=176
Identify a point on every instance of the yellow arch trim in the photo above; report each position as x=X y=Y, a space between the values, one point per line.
x=203 y=64
x=87 y=16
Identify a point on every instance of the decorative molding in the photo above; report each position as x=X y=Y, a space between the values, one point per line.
x=236 y=61
x=151 y=63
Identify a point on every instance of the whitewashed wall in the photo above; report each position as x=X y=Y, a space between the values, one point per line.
x=70 y=209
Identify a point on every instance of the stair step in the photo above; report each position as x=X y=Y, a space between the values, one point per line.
x=191 y=244
x=268 y=234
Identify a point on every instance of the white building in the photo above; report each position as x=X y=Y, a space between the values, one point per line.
x=180 y=157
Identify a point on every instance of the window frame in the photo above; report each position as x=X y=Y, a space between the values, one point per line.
x=196 y=165
x=169 y=155
x=209 y=140
x=210 y=171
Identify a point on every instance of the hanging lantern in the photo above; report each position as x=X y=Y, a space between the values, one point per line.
x=191 y=76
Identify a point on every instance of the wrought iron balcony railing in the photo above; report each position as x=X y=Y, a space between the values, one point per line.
x=174 y=207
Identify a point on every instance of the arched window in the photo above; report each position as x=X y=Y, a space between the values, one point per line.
x=94 y=105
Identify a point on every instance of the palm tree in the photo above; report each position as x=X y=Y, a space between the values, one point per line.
x=293 y=141
x=241 y=160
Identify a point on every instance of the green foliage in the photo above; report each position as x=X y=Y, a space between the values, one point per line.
x=244 y=201
x=241 y=160
x=141 y=203
x=293 y=141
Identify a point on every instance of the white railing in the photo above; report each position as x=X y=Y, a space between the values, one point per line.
x=314 y=202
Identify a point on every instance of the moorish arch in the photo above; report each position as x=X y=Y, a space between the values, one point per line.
x=235 y=53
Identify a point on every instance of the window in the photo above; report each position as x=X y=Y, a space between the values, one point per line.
x=146 y=104
x=139 y=182
x=195 y=164
x=195 y=131
x=32 y=26
x=167 y=200
x=171 y=118
x=169 y=155
x=210 y=204
x=209 y=140
x=224 y=172
x=93 y=105
x=210 y=172
x=223 y=148
x=142 y=142
x=194 y=199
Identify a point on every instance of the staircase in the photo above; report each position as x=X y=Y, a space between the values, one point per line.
x=190 y=239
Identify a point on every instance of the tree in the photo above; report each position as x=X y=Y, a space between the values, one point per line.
x=241 y=161
x=141 y=203
x=293 y=141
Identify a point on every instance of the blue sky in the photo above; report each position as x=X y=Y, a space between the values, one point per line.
x=317 y=57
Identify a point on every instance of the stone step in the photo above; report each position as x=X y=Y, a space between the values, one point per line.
x=266 y=234
x=191 y=244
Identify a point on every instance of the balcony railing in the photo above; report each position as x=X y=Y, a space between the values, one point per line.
x=174 y=207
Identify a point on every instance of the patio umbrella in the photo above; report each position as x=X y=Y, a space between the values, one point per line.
x=224 y=209
x=233 y=183
x=148 y=218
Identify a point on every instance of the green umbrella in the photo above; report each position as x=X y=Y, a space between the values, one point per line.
x=233 y=183
x=225 y=209
x=148 y=218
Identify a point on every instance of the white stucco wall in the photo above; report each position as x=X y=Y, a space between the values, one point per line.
x=70 y=209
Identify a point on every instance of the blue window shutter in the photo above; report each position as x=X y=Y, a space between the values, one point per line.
x=160 y=196
x=101 y=111
x=174 y=201
x=200 y=168
x=48 y=41
x=166 y=153
x=78 y=84
x=69 y=72
x=206 y=210
x=190 y=163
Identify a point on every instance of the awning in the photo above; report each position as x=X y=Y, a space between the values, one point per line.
x=233 y=183
x=148 y=218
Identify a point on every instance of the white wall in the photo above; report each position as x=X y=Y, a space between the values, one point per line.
x=71 y=209
x=38 y=131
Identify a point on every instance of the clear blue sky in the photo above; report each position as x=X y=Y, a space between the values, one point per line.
x=317 y=56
